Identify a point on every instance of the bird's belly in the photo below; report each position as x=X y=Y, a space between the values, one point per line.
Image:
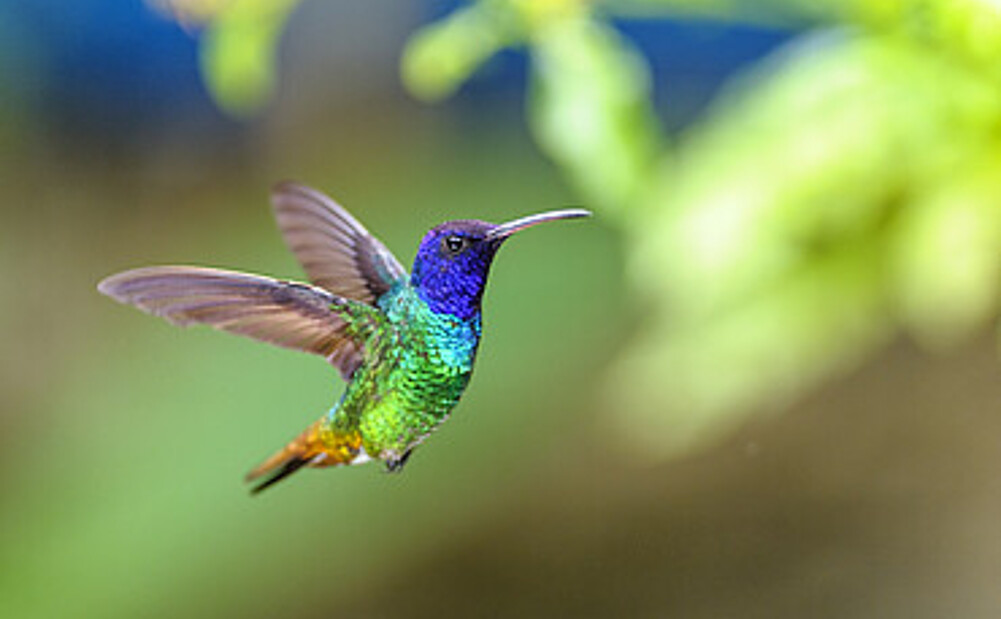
x=415 y=398
x=417 y=379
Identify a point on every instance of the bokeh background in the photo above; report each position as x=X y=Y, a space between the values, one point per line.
x=762 y=382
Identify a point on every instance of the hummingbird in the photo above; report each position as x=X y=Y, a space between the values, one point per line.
x=404 y=344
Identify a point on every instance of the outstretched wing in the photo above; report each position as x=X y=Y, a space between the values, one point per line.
x=336 y=251
x=286 y=314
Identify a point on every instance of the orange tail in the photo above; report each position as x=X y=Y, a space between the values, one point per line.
x=307 y=449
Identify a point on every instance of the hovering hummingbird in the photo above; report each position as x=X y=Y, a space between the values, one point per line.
x=404 y=344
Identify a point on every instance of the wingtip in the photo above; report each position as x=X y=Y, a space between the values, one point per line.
x=285 y=185
x=121 y=286
x=104 y=286
x=110 y=286
x=286 y=193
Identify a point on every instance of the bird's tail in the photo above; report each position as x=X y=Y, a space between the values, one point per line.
x=311 y=448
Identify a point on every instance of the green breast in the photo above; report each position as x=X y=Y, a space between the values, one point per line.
x=412 y=378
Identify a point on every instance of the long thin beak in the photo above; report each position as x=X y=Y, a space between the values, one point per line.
x=504 y=230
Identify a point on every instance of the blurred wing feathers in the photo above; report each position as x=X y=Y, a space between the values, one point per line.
x=286 y=314
x=336 y=251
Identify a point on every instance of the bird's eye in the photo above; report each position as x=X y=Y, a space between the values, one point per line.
x=454 y=243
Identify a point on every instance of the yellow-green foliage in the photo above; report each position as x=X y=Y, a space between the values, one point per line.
x=239 y=46
x=846 y=189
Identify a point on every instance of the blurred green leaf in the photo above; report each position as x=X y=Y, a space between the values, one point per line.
x=684 y=382
x=239 y=53
x=190 y=11
x=591 y=110
x=949 y=256
x=842 y=150
x=440 y=57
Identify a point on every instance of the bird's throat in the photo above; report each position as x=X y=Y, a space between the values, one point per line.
x=445 y=293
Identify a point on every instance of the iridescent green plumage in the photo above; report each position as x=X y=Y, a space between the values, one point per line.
x=406 y=344
x=414 y=372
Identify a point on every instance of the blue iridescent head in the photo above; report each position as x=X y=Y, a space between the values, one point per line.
x=454 y=259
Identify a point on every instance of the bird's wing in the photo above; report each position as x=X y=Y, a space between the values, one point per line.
x=287 y=314
x=336 y=251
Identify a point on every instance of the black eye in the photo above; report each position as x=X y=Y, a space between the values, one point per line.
x=454 y=243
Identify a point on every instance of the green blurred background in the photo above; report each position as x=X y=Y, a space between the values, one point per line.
x=798 y=211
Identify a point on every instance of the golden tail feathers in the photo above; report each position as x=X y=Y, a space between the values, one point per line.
x=314 y=448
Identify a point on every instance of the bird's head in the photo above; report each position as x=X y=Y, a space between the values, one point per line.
x=454 y=258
